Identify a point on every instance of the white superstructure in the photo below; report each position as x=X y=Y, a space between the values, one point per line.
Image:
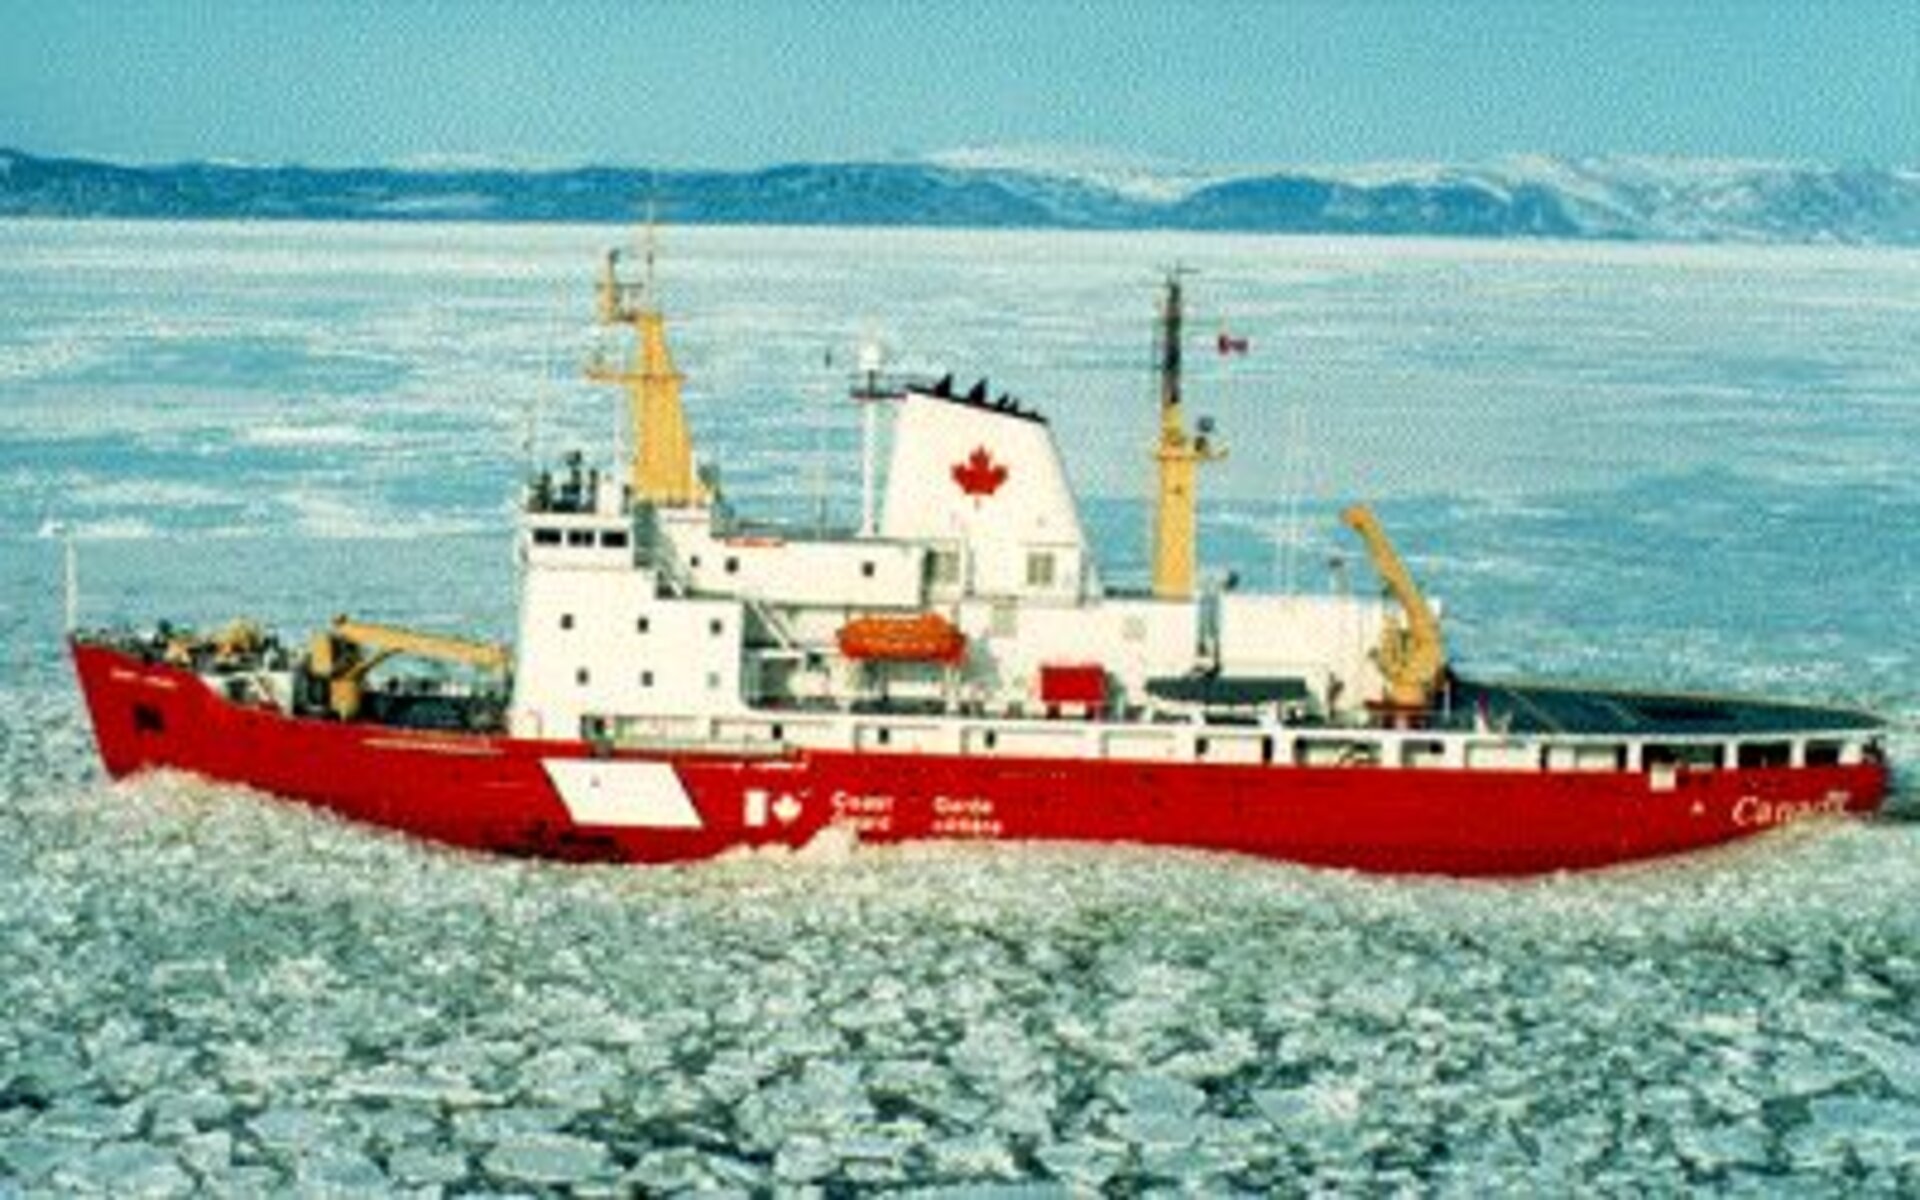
x=639 y=620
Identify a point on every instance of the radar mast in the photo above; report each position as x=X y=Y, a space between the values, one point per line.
x=661 y=469
x=1179 y=455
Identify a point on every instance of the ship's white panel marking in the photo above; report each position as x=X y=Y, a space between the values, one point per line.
x=756 y=814
x=632 y=795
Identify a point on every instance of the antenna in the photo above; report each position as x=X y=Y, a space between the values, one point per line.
x=867 y=391
x=73 y=584
x=71 y=567
x=653 y=236
x=817 y=473
x=1293 y=481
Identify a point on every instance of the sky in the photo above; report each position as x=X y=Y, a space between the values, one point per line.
x=739 y=84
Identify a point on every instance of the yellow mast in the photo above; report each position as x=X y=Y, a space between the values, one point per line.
x=661 y=469
x=1179 y=456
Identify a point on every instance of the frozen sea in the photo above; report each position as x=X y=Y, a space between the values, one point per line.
x=1691 y=467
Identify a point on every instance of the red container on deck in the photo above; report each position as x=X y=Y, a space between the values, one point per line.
x=1075 y=683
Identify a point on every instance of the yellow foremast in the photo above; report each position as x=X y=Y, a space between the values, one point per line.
x=661 y=470
x=1179 y=455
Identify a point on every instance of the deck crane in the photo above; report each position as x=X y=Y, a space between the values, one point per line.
x=1412 y=654
x=346 y=652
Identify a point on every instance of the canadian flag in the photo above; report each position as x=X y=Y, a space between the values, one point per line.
x=1230 y=344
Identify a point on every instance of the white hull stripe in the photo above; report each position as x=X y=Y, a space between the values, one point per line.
x=630 y=795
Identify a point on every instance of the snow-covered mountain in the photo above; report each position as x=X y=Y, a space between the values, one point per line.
x=1615 y=198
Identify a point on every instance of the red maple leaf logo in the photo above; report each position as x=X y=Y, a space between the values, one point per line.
x=979 y=475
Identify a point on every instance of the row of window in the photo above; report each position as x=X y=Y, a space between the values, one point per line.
x=610 y=539
x=943 y=569
x=731 y=565
x=1363 y=752
x=716 y=627
x=583 y=677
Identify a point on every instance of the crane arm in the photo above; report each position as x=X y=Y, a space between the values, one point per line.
x=347 y=651
x=1414 y=657
x=389 y=640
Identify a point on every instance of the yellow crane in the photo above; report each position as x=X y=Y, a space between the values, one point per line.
x=1412 y=652
x=344 y=653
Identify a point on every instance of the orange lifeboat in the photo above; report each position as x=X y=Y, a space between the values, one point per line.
x=925 y=637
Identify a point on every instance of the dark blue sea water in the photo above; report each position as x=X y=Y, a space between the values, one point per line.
x=1689 y=467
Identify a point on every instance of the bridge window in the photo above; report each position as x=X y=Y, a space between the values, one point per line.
x=579 y=537
x=546 y=537
x=614 y=539
x=1823 y=754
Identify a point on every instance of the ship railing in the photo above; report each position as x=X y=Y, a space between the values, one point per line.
x=722 y=747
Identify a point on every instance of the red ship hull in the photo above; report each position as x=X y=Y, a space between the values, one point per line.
x=561 y=800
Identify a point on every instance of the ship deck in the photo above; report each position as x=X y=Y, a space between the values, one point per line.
x=1527 y=708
